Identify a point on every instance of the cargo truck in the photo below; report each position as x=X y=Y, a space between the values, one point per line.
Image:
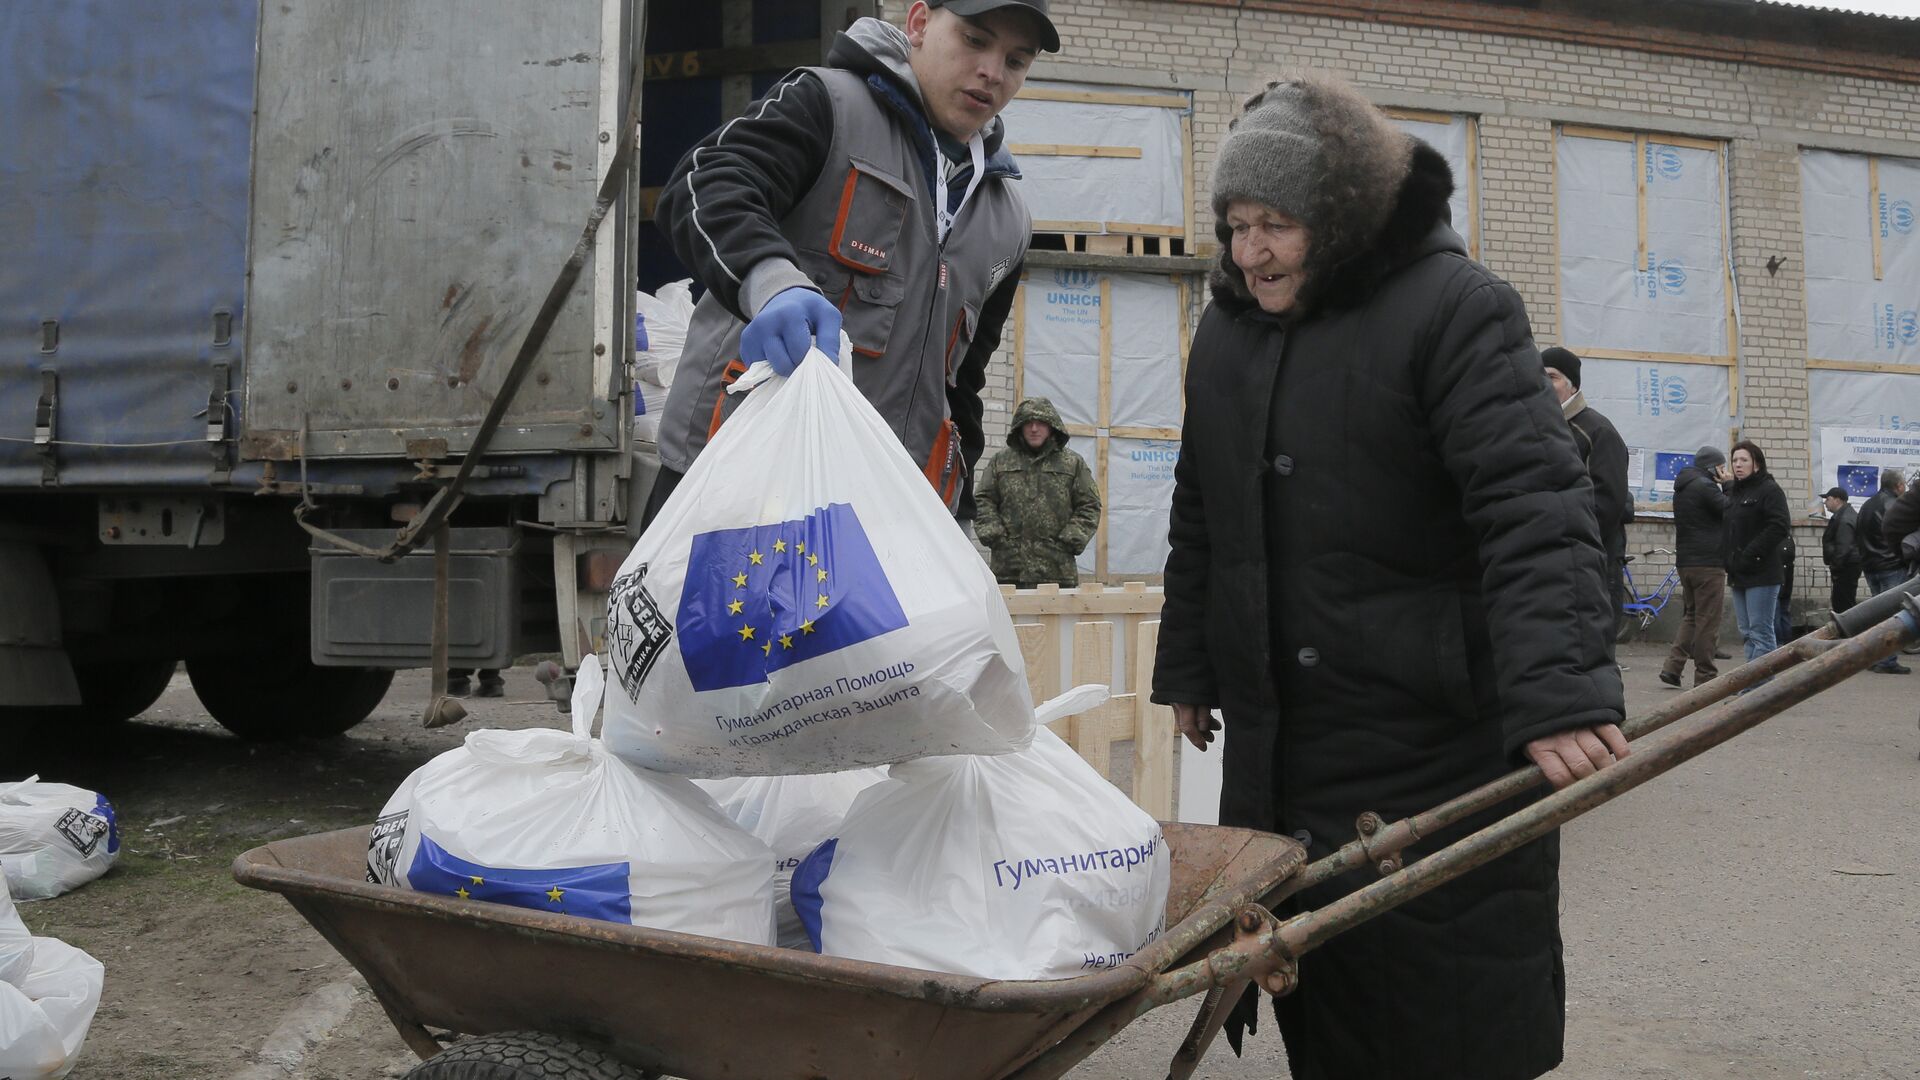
x=265 y=269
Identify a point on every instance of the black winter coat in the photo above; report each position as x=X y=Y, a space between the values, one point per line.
x=1386 y=573
x=1879 y=553
x=1699 y=519
x=1902 y=520
x=1757 y=523
x=1605 y=453
x=1836 y=543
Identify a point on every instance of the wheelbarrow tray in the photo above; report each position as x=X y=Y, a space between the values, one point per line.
x=700 y=1007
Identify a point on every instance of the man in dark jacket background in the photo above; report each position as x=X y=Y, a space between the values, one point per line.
x=1605 y=453
x=1699 y=512
x=1880 y=554
x=1838 y=551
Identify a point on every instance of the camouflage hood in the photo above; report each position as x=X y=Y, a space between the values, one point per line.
x=1036 y=408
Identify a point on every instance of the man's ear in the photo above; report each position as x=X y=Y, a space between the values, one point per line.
x=918 y=17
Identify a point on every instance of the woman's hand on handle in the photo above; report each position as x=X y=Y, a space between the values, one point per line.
x=1196 y=722
x=1573 y=755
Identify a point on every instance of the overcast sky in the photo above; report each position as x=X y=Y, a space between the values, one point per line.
x=1878 y=7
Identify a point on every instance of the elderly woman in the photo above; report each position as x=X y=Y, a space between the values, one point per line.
x=1386 y=575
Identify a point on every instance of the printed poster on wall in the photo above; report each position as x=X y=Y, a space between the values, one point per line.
x=1853 y=458
x=1664 y=412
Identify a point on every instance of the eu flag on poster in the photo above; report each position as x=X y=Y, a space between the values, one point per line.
x=1667 y=466
x=1860 y=481
x=594 y=892
x=766 y=597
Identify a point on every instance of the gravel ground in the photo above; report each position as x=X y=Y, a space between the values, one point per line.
x=1748 y=917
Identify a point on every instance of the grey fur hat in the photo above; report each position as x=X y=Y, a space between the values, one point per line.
x=1311 y=147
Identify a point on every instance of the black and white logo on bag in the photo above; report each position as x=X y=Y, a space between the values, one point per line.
x=82 y=830
x=383 y=848
x=637 y=632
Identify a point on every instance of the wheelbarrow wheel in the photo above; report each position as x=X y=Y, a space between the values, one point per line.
x=522 y=1055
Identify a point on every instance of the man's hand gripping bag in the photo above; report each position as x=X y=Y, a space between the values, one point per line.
x=804 y=603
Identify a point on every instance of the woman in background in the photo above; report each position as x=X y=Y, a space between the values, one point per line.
x=1757 y=522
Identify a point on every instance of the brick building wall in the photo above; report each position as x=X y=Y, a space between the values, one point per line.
x=1519 y=87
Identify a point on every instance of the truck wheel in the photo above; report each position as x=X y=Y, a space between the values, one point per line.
x=286 y=696
x=111 y=693
x=521 y=1055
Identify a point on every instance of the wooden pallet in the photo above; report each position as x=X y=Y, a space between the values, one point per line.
x=1108 y=238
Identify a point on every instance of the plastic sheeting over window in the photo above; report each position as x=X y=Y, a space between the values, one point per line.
x=1643 y=266
x=1664 y=412
x=1863 y=257
x=1107 y=350
x=1862 y=421
x=1456 y=137
x=1101 y=157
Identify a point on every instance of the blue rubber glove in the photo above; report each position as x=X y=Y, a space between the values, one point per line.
x=787 y=326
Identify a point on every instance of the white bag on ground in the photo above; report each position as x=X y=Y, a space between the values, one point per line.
x=1024 y=866
x=54 y=837
x=805 y=603
x=45 y=1018
x=792 y=815
x=16 y=943
x=549 y=820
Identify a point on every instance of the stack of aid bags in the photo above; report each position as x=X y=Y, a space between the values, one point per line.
x=803 y=611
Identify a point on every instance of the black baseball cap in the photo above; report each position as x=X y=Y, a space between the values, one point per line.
x=1837 y=493
x=1049 y=37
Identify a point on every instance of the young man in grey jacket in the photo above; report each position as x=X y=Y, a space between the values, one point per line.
x=873 y=194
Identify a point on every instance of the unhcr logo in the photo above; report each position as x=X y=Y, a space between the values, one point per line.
x=1667 y=276
x=1675 y=392
x=1664 y=162
x=1074 y=288
x=1900 y=216
x=1909 y=326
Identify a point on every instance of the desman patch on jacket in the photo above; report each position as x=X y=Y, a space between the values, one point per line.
x=873 y=210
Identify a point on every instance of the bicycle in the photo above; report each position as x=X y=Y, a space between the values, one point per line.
x=1637 y=612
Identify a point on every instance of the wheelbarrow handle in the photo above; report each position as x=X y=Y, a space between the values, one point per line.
x=1258 y=952
x=1381 y=843
x=1682 y=742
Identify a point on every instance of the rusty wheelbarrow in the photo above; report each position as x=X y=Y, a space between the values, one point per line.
x=612 y=1001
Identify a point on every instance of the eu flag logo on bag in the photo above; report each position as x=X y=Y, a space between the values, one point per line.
x=766 y=597
x=594 y=892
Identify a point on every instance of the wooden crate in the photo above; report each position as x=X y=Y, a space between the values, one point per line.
x=1094 y=634
x=1106 y=238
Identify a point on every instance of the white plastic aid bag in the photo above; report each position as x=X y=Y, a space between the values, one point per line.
x=549 y=820
x=54 y=837
x=792 y=814
x=804 y=603
x=660 y=329
x=1023 y=866
x=44 y=1019
x=16 y=943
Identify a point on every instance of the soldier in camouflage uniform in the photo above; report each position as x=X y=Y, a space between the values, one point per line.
x=1037 y=503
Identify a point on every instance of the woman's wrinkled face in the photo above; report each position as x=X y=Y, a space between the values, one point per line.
x=1742 y=464
x=1270 y=248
